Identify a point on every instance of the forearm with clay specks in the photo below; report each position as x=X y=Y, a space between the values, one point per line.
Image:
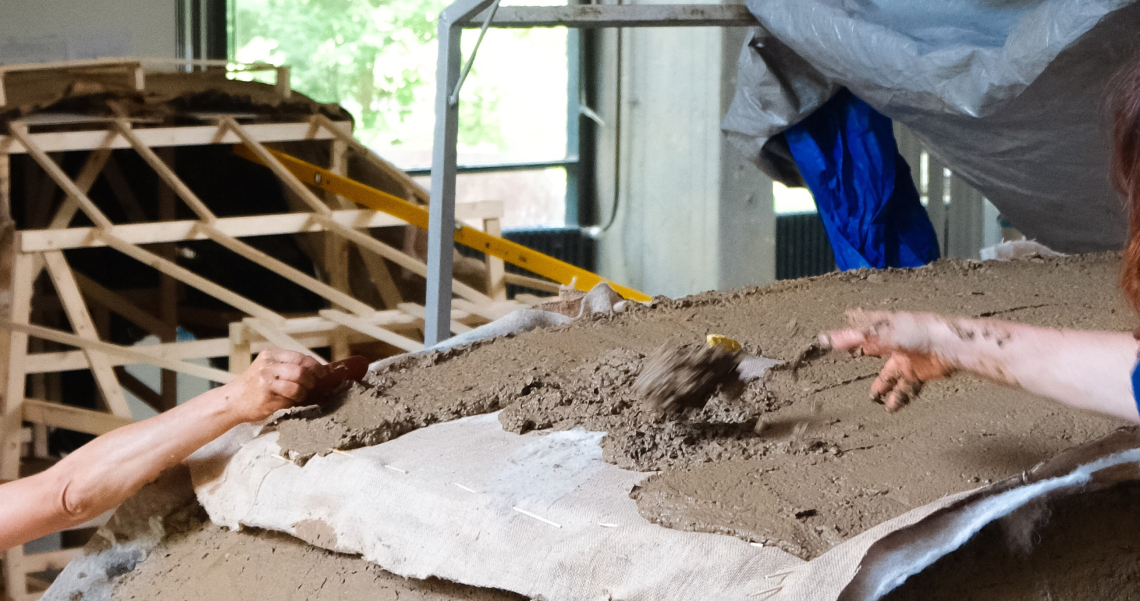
x=1084 y=369
x=103 y=473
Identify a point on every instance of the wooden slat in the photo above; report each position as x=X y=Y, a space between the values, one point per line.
x=237 y=227
x=171 y=136
x=124 y=307
x=190 y=278
x=295 y=185
x=140 y=389
x=281 y=339
x=415 y=190
x=532 y=283
x=496 y=267
x=20 y=132
x=76 y=310
x=366 y=242
x=288 y=272
x=418 y=311
x=322 y=213
x=201 y=371
x=72 y=418
x=167 y=175
x=355 y=323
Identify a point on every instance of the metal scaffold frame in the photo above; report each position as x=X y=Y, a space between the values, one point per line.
x=482 y=14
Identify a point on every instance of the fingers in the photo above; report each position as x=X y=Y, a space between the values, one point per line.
x=276 y=355
x=887 y=380
x=290 y=391
x=291 y=373
x=842 y=340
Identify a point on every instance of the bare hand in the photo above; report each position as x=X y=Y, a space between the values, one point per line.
x=911 y=342
x=277 y=379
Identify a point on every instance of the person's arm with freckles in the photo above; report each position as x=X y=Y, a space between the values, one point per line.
x=1084 y=369
x=103 y=473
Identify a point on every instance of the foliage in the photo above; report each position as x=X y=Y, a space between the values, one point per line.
x=374 y=57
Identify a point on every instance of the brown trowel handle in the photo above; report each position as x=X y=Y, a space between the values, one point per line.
x=339 y=372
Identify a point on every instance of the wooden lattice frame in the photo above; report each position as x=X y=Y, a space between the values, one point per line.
x=344 y=224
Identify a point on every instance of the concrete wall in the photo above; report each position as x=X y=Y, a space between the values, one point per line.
x=44 y=30
x=693 y=216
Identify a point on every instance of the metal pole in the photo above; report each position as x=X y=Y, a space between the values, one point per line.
x=441 y=206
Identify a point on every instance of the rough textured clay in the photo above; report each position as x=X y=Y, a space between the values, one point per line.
x=802 y=459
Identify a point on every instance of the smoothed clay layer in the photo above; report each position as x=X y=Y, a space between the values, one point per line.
x=207 y=563
x=801 y=459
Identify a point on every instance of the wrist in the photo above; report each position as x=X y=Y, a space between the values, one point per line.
x=221 y=404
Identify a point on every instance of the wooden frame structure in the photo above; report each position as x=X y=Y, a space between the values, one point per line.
x=86 y=303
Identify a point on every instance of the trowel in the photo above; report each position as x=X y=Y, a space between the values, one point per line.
x=679 y=377
x=352 y=369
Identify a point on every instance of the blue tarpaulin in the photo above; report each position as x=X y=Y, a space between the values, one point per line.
x=847 y=155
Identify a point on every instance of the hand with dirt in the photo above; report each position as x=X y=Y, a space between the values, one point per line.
x=1089 y=370
x=104 y=472
x=276 y=380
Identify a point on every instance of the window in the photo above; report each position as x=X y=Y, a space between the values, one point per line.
x=377 y=58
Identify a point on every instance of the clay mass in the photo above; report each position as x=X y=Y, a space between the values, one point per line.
x=800 y=458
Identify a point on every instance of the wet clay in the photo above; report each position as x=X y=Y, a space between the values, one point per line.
x=802 y=458
x=1080 y=547
x=204 y=562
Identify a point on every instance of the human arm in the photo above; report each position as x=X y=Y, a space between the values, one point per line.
x=1083 y=369
x=103 y=473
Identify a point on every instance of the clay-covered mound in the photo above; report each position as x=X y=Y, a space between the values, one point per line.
x=207 y=563
x=801 y=461
x=1082 y=547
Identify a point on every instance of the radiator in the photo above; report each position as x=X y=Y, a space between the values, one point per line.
x=802 y=248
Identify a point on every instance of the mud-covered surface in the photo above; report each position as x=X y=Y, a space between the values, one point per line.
x=204 y=562
x=802 y=459
x=1081 y=547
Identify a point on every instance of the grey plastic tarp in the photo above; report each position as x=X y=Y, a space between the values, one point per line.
x=1009 y=94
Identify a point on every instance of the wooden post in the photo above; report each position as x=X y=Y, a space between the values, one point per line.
x=496 y=268
x=16 y=350
x=240 y=354
x=168 y=286
x=336 y=247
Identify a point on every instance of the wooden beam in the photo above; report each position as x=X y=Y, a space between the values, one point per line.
x=323 y=213
x=123 y=192
x=280 y=339
x=368 y=329
x=124 y=307
x=313 y=332
x=288 y=272
x=20 y=132
x=297 y=186
x=171 y=136
x=145 y=393
x=539 y=284
x=418 y=311
x=370 y=244
x=237 y=227
x=92 y=167
x=417 y=192
x=76 y=310
x=71 y=418
x=190 y=278
x=496 y=268
x=167 y=175
x=201 y=371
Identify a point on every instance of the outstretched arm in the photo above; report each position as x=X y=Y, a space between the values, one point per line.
x=1088 y=370
x=103 y=473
